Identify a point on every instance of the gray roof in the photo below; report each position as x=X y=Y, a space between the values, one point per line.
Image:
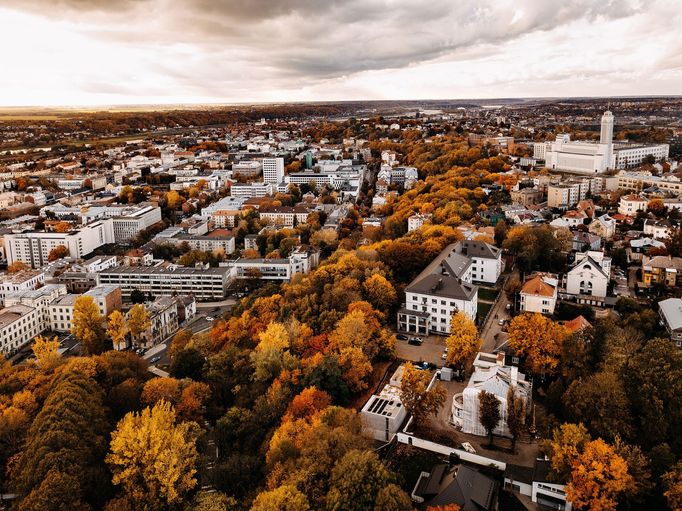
x=473 y=248
x=672 y=312
x=471 y=490
x=443 y=276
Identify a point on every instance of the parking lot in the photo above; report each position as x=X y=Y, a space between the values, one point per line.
x=430 y=351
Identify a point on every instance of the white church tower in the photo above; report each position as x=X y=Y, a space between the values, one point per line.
x=606 y=137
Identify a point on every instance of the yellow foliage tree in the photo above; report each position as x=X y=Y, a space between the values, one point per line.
x=379 y=292
x=117 y=329
x=271 y=353
x=173 y=199
x=672 y=482
x=138 y=320
x=153 y=458
x=568 y=441
x=46 y=351
x=464 y=341
x=415 y=395
x=87 y=324
x=356 y=368
x=598 y=477
x=539 y=339
x=284 y=498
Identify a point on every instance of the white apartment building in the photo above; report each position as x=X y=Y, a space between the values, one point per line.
x=204 y=284
x=486 y=260
x=248 y=168
x=273 y=170
x=302 y=260
x=639 y=180
x=19 y=282
x=33 y=248
x=442 y=289
x=284 y=215
x=128 y=225
x=248 y=190
x=38 y=299
x=19 y=325
x=415 y=221
x=631 y=204
x=60 y=311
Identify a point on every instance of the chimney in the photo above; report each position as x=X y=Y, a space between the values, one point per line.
x=500 y=359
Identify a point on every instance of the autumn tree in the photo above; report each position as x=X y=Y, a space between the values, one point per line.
x=58 y=252
x=46 y=351
x=599 y=477
x=379 y=292
x=87 y=325
x=64 y=450
x=516 y=415
x=117 y=329
x=17 y=267
x=173 y=199
x=284 y=498
x=138 y=321
x=489 y=412
x=672 y=483
x=538 y=339
x=62 y=227
x=161 y=480
x=416 y=397
x=568 y=441
x=464 y=341
x=601 y=403
x=272 y=352
x=214 y=501
x=358 y=481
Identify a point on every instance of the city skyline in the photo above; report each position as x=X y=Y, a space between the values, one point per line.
x=76 y=53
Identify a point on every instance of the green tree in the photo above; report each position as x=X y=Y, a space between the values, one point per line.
x=489 y=412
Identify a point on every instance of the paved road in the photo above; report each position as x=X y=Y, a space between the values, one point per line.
x=492 y=327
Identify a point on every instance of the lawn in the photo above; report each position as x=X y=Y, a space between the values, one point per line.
x=488 y=295
x=483 y=309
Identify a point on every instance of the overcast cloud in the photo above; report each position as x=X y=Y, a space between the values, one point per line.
x=163 y=51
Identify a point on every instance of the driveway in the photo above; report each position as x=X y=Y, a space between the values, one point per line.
x=492 y=333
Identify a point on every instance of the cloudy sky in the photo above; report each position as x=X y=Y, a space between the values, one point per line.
x=81 y=52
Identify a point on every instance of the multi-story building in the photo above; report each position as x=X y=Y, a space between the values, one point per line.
x=19 y=282
x=247 y=168
x=486 y=260
x=273 y=170
x=415 y=221
x=639 y=180
x=526 y=196
x=19 y=325
x=107 y=299
x=442 y=289
x=33 y=248
x=284 y=215
x=204 y=283
x=163 y=321
x=631 y=204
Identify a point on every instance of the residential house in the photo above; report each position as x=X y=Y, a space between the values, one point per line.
x=670 y=311
x=641 y=246
x=663 y=270
x=383 y=414
x=603 y=226
x=658 y=229
x=585 y=241
x=463 y=486
x=539 y=294
x=535 y=482
x=631 y=204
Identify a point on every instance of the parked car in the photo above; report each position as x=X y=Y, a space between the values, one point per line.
x=444 y=356
x=155 y=359
x=415 y=341
x=401 y=337
x=508 y=307
x=209 y=318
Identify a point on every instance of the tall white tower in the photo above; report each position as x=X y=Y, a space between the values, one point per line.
x=273 y=170
x=606 y=136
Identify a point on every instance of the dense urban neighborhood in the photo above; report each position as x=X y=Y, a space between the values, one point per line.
x=432 y=305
